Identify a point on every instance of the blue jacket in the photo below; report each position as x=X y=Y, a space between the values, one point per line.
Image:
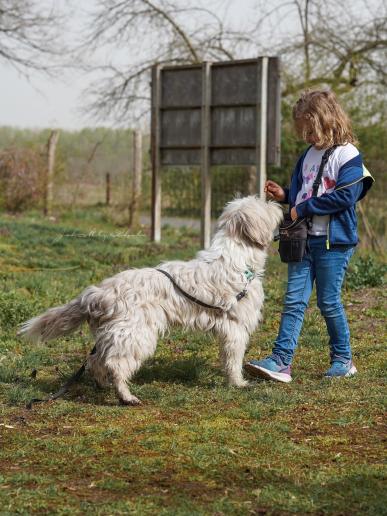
x=353 y=182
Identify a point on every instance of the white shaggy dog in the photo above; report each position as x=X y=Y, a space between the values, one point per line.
x=127 y=313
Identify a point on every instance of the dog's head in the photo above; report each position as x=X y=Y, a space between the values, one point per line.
x=251 y=220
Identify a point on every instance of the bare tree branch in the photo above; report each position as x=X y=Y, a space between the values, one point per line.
x=29 y=36
x=330 y=44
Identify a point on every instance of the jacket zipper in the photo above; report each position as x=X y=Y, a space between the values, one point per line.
x=327 y=241
x=349 y=184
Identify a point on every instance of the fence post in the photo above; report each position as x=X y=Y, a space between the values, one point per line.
x=205 y=162
x=51 y=148
x=107 y=189
x=155 y=146
x=135 y=205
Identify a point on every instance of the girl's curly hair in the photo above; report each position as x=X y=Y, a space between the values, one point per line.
x=319 y=119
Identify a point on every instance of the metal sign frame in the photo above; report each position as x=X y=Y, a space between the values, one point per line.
x=223 y=113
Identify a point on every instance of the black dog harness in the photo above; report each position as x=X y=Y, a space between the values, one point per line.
x=239 y=296
x=78 y=374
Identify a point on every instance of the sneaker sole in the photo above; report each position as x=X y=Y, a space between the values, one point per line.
x=266 y=374
x=351 y=372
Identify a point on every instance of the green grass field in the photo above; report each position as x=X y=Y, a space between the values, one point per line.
x=195 y=446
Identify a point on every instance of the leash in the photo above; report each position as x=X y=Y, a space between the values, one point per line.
x=65 y=387
x=195 y=300
x=78 y=374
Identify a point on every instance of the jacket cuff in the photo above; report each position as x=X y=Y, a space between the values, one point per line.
x=302 y=209
x=286 y=200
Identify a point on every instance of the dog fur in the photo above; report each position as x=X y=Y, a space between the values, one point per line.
x=129 y=311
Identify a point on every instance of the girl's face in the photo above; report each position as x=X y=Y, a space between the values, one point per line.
x=305 y=131
x=310 y=137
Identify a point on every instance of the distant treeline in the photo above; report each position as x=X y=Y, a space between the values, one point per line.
x=84 y=158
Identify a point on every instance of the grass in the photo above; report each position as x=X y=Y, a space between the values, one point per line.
x=195 y=446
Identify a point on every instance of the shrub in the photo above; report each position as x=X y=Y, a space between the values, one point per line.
x=21 y=175
x=365 y=272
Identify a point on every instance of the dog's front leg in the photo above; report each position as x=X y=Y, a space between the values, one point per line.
x=232 y=350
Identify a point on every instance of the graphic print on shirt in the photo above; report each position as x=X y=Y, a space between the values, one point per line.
x=329 y=183
x=309 y=173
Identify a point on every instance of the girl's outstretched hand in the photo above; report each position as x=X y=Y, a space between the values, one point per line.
x=274 y=191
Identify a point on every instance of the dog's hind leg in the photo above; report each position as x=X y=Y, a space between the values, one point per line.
x=125 y=356
x=120 y=372
x=233 y=344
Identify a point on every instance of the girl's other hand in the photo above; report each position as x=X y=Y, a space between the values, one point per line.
x=293 y=213
x=274 y=191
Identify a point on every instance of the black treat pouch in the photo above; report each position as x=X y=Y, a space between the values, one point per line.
x=293 y=235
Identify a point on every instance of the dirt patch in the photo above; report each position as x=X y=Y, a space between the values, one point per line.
x=366 y=298
x=363 y=442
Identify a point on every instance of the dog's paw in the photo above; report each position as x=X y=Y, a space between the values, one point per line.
x=239 y=383
x=131 y=401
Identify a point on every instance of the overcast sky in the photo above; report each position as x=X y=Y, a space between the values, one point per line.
x=43 y=102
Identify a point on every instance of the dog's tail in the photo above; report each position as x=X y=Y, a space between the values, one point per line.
x=62 y=320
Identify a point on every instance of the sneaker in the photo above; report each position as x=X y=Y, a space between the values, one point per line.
x=340 y=367
x=270 y=368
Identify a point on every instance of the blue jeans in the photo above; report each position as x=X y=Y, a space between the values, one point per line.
x=327 y=268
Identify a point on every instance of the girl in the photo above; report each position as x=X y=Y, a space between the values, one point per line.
x=320 y=121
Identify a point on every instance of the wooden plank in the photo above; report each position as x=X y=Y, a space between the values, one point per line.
x=262 y=107
x=181 y=87
x=205 y=222
x=194 y=147
x=234 y=156
x=234 y=84
x=178 y=107
x=233 y=126
x=218 y=156
x=180 y=157
x=274 y=113
x=180 y=128
x=155 y=150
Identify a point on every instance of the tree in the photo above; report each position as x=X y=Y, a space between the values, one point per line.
x=337 y=45
x=321 y=43
x=29 y=35
x=154 y=31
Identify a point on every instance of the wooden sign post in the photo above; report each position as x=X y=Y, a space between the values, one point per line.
x=224 y=113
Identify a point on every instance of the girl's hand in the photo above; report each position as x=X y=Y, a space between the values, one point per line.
x=293 y=213
x=274 y=191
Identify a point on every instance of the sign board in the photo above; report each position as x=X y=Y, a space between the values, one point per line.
x=224 y=113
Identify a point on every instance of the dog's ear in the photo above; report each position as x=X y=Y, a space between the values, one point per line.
x=251 y=223
x=240 y=227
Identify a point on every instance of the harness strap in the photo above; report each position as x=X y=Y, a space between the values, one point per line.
x=324 y=159
x=239 y=296
x=317 y=180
